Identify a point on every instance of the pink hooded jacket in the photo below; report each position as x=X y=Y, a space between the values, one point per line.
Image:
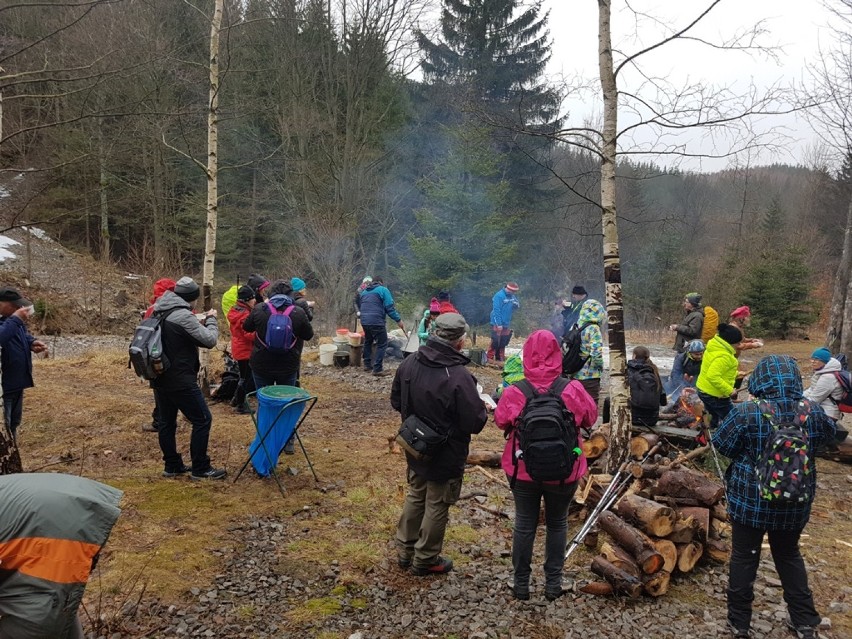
x=542 y=365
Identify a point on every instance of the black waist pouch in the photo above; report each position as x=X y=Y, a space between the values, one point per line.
x=419 y=439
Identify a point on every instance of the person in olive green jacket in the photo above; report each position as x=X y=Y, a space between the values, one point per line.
x=719 y=373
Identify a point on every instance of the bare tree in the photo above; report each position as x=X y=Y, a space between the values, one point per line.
x=831 y=115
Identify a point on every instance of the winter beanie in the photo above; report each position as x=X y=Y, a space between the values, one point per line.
x=693 y=298
x=245 y=293
x=742 y=311
x=297 y=284
x=822 y=354
x=257 y=282
x=512 y=287
x=730 y=334
x=187 y=289
x=434 y=306
x=578 y=290
x=444 y=296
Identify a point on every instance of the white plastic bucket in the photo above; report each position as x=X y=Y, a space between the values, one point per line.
x=326 y=353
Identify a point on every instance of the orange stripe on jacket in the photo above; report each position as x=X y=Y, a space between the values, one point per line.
x=58 y=560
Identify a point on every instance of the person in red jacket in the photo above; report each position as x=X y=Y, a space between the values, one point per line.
x=160 y=286
x=542 y=365
x=241 y=345
x=445 y=305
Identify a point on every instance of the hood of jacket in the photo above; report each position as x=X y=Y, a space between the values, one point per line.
x=542 y=359
x=372 y=286
x=591 y=312
x=161 y=286
x=832 y=366
x=776 y=377
x=169 y=301
x=437 y=354
x=639 y=364
x=280 y=301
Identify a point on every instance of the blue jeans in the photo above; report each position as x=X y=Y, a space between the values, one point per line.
x=13 y=409
x=191 y=403
x=718 y=407
x=379 y=335
x=745 y=559
x=528 y=497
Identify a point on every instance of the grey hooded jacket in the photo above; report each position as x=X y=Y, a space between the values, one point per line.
x=825 y=390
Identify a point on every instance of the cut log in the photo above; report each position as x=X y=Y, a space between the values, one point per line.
x=719 y=529
x=702 y=519
x=684 y=483
x=719 y=512
x=717 y=550
x=617 y=578
x=599 y=588
x=650 y=470
x=641 y=444
x=669 y=552
x=484 y=458
x=620 y=558
x=684 y=531
x=657 y=584
x=688 y=555
x=595 y=445
x=650 y=517
x=640 y=547
x=591 y=539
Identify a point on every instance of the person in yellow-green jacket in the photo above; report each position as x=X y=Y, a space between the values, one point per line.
x=718 y=374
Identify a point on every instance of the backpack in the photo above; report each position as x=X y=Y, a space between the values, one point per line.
x=844 y=361
x=711 y=324
x=784 y=471
x=546 y=435
x=146 y=348
x=844 y=378
x=644 y=388
x=279 y=330
x=230 y=381
x=572 y=362
x=229 y=298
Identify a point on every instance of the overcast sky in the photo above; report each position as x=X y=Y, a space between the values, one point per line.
x=797 y=26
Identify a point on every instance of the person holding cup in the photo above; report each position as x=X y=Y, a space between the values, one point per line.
x=16 y=348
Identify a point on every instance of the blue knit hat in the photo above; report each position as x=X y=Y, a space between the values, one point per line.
x=822 y=354
x=297 y=284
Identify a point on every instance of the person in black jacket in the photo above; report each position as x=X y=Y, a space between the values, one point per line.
x=268 y=367
x=16 y=349
x=435 y=385
x=646 y=388
x=177 y=388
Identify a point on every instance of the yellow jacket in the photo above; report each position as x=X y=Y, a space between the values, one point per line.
x=718 y=369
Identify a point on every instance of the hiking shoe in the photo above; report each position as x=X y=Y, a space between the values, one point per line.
x=290 y=447
x=440 y=567
x=242 y=410
x=403 y=562
x=739 y=633
x=368 y=369
x=150 y=428
x=553 y=595
x=176 y=472
x=381 y=373
x=210 y=473
x=521 y=594
x=803 y=632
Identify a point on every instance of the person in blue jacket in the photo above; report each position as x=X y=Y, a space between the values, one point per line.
x=375 y=303
x=16 y=349
x=503 y=305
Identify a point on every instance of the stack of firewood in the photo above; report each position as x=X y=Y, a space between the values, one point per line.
x=670 y=518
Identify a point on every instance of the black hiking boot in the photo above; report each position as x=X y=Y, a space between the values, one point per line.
x=803 y=632
x=440 y=567
x=210 y=473
x=403 y=562
x=177 y=471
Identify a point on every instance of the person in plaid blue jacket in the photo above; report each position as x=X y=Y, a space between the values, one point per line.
x=742 y=437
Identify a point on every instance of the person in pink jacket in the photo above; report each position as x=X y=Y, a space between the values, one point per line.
x=542 y=365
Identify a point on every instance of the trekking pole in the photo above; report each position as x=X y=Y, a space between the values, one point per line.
x=609 y=497
x=707 y=436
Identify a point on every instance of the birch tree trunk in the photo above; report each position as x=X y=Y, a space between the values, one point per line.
x=619 y=401
x=212 y=181
x=104 y=201
x=839 y=334
x=10 y=458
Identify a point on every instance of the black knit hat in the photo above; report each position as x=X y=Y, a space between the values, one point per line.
x=578 y=290
x=245 y=293
x=730 y=334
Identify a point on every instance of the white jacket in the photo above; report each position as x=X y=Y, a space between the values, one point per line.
x=825 y=389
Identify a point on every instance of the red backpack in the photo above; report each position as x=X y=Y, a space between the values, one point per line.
x=845 y=380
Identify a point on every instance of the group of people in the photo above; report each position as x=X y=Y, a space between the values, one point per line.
x=435 y=385
x=269 y=323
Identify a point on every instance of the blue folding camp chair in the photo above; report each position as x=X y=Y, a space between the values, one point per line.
x=280 y=412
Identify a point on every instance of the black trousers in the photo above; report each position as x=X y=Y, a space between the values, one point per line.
x=745 y=558
x=191 y=403
x=718 y=407
x=246 y=384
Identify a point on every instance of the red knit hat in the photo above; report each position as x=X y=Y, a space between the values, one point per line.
x=512 y=287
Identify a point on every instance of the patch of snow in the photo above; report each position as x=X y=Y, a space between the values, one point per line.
x=39 y=233
x=132 y=276
x=5 y=253
x=18 y=177
x=4 y=192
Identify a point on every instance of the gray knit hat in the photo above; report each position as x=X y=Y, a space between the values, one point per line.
x=187 y=289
